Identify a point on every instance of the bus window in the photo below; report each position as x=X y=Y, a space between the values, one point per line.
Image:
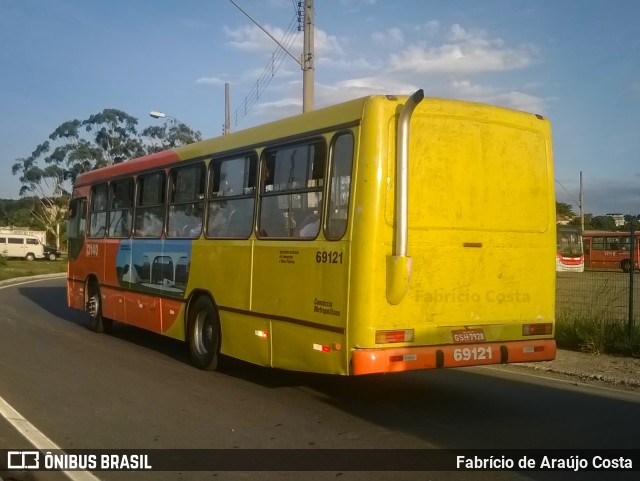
x=120 y=208
x=291 y=195
x=150 y=205
x=232 y=197
x=186 y=201
x=77 y=218
x=340 y=185
x=98 y=218
x=597 y=244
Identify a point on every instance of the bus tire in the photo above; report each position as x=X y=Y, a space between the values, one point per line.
x=30 y=256
x=97 y=322
x=203 y=334
x=626 y=265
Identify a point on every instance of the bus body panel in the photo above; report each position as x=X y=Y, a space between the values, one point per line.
x=480 y=208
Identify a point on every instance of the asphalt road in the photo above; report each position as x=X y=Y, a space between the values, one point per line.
x=136 y=390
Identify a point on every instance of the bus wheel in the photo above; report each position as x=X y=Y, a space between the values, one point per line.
x=204 y=334
x=626 y=265
x=30 y=257
x=97 y=322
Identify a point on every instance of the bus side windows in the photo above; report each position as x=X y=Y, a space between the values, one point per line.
x=98 y=217
x=186 y=201
x=231 y=197
x=340 y=185
x=121 y=208
x=149 y=220
x=77 y=220
x=292 y=183
x=597 y=243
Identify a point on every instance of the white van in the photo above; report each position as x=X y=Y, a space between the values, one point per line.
x=23 y=246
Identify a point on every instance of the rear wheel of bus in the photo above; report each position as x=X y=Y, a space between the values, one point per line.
x=626 y=265
x=97 y=322
x=204 y=334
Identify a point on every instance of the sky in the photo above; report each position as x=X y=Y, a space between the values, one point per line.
x=576 y=62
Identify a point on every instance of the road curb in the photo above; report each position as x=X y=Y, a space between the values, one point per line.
x=17 y=280
x=582 y=376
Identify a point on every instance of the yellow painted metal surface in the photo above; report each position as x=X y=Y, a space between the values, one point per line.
x=481 y=240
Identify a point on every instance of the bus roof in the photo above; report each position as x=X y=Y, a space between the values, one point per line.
x=344 y=115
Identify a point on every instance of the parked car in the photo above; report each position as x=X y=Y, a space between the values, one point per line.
x=51 y=253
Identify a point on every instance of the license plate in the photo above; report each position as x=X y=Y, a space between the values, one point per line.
x=465 y=336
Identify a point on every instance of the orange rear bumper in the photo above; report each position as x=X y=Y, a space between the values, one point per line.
x=370 y=361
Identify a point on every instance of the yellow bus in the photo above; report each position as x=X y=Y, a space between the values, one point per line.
x=384 y=234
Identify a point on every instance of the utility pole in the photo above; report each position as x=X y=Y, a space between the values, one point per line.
x=307 y=59
x=581 y=200
x=227 y=124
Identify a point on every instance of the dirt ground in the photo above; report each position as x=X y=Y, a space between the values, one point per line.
x=602 y=368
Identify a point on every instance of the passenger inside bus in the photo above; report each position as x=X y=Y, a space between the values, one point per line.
x=310 y=226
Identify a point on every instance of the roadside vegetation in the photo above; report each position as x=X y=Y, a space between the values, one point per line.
x=597 y=336
x=11 y=268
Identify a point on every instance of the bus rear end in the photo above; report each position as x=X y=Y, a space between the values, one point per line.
x=476 y=282
x=570 y=253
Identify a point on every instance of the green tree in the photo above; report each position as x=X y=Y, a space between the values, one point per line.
x=171 y=134
x=76 y=146
x=564 y=210
x=603 y=222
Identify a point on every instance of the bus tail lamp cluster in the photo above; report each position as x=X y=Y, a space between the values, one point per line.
x=389 y=337
x=537 y=329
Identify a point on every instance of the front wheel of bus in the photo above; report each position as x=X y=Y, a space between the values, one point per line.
x=626 y=265
x=204 y=334
x=97 y=322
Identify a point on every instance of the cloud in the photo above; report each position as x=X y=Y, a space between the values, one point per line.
x=467 y=90
x=465 y=52
x=392 y=38
x=606 y=195
x=210 y=81
x=431 y=28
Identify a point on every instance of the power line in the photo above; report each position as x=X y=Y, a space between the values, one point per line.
x=277 y=57
x=570 y=198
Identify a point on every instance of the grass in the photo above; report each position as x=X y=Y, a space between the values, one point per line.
x=597 y=336
x=10 y=268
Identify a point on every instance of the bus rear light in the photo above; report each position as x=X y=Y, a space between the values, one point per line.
x=320 y=347
x=262 y=334
x=537 y=329
x=387 y=337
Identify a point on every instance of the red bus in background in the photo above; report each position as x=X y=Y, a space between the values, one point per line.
x=610 y=250
x=569 y=254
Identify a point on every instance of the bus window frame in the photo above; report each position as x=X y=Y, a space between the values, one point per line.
x=264 y=193
x=77 y=212
x=137 y=204
x=328 y=210
x=122 y=210
x=170 y=187
x=96 y=211
x=248 y=192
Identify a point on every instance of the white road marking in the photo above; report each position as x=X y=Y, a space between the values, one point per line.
x=38 y=439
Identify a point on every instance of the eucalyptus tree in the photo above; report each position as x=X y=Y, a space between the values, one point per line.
x=76 y=146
